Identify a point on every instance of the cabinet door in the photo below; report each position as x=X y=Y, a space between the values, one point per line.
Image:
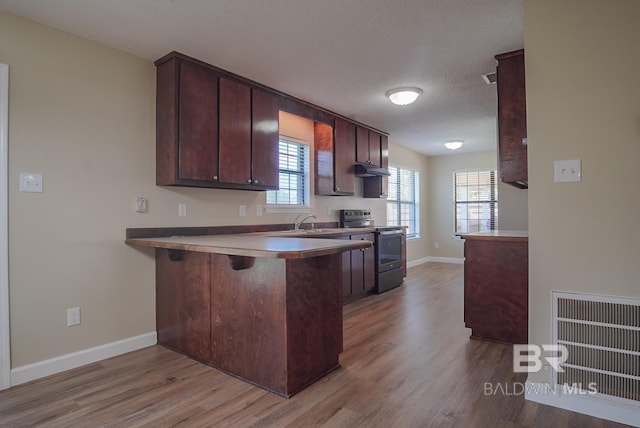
x=344 y=156
x=346 y=270
x=197 y=123
x=362 y=145
x=374 y=148
x=378 y=187
x=384 y=162
x=368 y=262
x=183 y=296
x=323 y=161
x=235 y=132
x=264 y=144
x=512 y=118
x=357 y=269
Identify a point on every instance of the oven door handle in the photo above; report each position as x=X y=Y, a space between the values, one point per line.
x=390 y=232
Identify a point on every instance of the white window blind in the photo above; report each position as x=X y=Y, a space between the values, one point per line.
x=476 y=201
x=293 y=166
x=402 y=203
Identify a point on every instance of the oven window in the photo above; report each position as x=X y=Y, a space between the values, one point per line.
x=390 y=249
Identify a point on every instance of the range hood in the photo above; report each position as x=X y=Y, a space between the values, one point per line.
x=366 y=170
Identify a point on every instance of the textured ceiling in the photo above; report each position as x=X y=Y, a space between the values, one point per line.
x=340 y=54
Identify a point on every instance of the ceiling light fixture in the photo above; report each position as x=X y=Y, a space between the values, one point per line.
x=453 y=145
x=403 y=96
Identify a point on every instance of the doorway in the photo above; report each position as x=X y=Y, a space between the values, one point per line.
x=5 y=351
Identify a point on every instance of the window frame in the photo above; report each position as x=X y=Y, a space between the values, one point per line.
x=493 y=201
x=398 y=202
x=293 y=208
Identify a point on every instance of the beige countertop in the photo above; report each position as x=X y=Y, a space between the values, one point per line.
x=499 y=235
x=255 y=244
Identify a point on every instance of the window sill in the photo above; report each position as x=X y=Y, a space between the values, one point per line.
x=279 y=209
x=413 y=238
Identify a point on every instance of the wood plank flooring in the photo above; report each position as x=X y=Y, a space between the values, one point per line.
x=407 y=362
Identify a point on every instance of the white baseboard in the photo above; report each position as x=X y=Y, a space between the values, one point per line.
x=458 y=261
x=597 y=405
x=76 y=359
x=435 y=260
x=413 y=263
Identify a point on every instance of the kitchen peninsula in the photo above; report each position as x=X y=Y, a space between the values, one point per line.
x=496 y=285
x=267 y=309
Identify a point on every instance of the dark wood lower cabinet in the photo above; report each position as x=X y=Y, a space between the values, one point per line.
x=276 y=323
x=183 y=311
x=496 y=289
x=361 y=277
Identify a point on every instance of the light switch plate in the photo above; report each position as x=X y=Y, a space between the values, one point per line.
x=567 y=171
x=243 y=210
x=182 y=210
x=30 y=182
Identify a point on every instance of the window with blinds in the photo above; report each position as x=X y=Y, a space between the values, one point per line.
x=476 y=201
x=294 y=175
x=402 y=203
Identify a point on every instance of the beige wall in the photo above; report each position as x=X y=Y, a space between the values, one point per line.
x=441 y=216
x=583 y=101
x=83 y=115
x=399 y=156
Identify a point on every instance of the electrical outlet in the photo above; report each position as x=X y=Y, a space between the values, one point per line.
x=243 y=210
x=436 y=245
x=73 y=316
x=182 y=210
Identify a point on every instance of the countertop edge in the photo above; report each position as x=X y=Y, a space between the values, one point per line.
x=339 y=247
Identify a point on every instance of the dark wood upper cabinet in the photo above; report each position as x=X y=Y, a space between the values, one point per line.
x=334 y=158
x=378 y=187
x=217 y=129
x=368 y=147
x=235 y=132
x=186 y=124
x=512 y=119
x=213 y=129
x=265 y=139
x=344 y=160
x=362 y=145
x=374 y=148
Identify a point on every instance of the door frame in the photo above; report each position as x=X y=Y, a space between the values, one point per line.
x=5 y=343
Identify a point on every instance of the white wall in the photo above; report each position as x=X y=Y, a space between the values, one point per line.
x=83 y=115
x=583 y=102
x=441 y=214
x=399 y=156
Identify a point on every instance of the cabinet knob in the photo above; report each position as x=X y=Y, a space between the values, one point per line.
x=249 y=181
x=337 y=188
x=215 y=178
x=255 y=181
x=524 y=141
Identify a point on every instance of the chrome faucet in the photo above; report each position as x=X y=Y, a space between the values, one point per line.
x=297 y=223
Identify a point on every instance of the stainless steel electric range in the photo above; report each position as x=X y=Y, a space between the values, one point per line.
x=388 y=247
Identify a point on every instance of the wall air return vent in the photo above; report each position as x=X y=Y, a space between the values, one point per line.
x=602 y=336
x=490 y=78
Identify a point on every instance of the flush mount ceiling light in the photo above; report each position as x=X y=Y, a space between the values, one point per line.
x=453 y=145
x=403 y=96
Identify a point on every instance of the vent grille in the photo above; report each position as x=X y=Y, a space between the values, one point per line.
x=490 y=78
x=602 y=336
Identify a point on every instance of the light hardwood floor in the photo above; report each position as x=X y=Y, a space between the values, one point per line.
x=407 y=362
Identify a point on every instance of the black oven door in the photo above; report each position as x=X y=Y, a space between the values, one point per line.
x=389 y=250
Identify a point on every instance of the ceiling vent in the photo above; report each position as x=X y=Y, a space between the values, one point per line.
x=490 y=78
